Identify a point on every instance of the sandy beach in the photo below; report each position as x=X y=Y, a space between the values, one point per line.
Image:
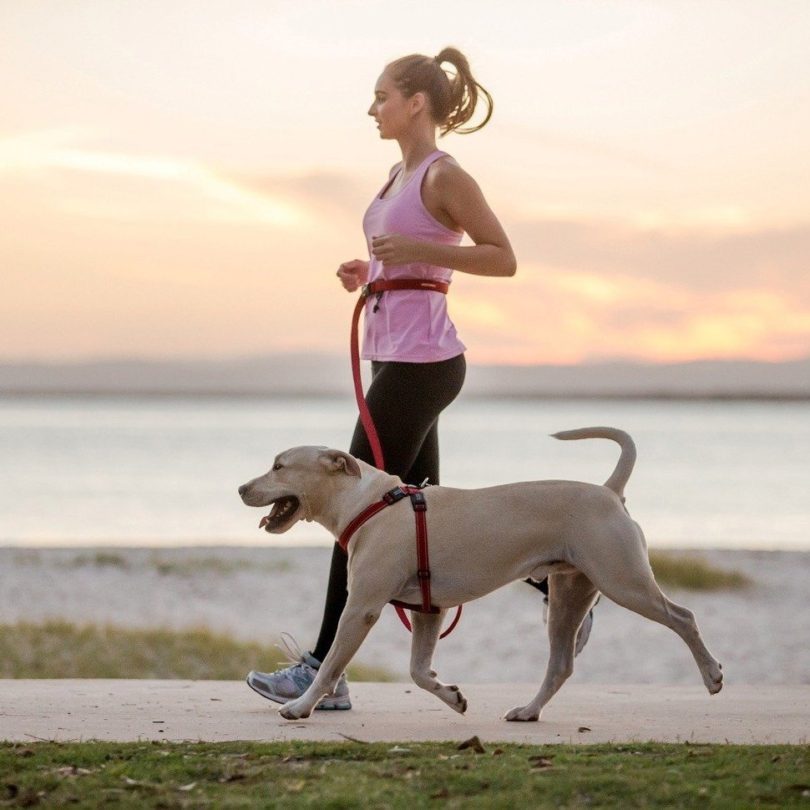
x=760 y=634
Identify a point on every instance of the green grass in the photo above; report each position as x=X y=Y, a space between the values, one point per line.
x=222 y=566
x=408 y=775
x=692 y=573
x=168 y=565
x=64 y=650
x=99 y=559
x=183 y=566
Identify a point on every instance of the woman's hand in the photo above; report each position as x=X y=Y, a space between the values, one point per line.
x=393 y=248
x=353 y=274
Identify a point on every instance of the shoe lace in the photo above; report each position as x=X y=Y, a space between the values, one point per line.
x=292 y=651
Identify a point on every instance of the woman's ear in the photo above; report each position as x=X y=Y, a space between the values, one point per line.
x=417 y=102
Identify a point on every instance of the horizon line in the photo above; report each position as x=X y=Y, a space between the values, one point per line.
x=324 y=355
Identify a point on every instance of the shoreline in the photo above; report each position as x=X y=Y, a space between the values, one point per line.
x=241 y=545
x=274 y=395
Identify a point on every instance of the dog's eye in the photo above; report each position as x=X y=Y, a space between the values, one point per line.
x=277 y=466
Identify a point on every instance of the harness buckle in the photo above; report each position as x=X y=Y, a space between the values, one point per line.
x=423 y=573
x=394 y=495
x=418 y=501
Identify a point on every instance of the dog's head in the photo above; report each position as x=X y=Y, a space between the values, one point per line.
x=294 y=474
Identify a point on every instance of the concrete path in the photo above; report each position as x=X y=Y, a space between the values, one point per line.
x=226 y=710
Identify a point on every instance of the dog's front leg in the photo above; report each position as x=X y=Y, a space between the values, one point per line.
x=355 y=622
x=426 y=627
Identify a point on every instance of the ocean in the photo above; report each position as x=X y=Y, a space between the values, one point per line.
x=164 y=471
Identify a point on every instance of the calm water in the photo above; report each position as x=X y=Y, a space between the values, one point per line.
x=78 y=471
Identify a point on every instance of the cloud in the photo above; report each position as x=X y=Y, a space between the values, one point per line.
x=560 y=314
x=153 y=233
x=217 y=196
x=323 y=192
x=777 y=258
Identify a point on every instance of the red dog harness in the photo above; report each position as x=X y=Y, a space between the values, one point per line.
x=398 y=493
x=423 y=562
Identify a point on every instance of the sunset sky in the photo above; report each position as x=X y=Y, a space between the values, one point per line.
x=183 y=178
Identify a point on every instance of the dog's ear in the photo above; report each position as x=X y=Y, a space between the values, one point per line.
x=337 y=461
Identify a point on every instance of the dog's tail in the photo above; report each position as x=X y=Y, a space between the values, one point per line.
x=627 y=459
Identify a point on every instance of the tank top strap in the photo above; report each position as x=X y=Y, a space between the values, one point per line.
x=426 y=164
x=412 y=193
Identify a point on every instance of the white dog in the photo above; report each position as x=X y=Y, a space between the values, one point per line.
x=579 y=535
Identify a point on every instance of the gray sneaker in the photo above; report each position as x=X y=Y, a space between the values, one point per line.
x=292 y=681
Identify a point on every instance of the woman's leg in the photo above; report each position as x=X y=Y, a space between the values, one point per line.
x=405 y=400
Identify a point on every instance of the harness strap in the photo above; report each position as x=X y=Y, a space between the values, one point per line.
x=401 y=607
x=389 y=499
x=422 y=557
x=419 y=506
x=375 y=288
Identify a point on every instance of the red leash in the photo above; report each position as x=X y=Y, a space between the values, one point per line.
x=417 y=497
x=375 y=288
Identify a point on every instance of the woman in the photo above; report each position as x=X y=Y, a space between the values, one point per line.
x=413 y=228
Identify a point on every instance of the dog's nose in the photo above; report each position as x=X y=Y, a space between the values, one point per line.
x=243 y=489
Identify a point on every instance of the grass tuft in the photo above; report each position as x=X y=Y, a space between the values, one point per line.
x=100 y=559
x=221 y=566
x=694 y=573
x=65 y=650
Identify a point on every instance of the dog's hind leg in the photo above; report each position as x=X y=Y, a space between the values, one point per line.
x=633 y=586
x=426 y=627
x=570 y=597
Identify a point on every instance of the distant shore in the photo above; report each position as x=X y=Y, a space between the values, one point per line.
x=146 y=393
x=311 y=374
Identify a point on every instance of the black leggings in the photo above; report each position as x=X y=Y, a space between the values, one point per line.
x=405 y=400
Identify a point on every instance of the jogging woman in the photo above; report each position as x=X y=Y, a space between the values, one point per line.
x=413 y=228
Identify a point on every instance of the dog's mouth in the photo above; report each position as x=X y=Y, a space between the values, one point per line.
x=282 y=515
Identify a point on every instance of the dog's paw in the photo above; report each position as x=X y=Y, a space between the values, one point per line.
x=522 y=714
x=452 y=696
x=294 y=710
x=715 y=683
x=461 y=702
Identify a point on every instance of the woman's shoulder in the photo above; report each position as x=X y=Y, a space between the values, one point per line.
x=445 y=173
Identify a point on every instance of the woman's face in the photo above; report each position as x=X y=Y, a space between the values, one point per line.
x=390 y=109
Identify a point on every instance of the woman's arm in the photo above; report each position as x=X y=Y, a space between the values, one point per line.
x=459 y=200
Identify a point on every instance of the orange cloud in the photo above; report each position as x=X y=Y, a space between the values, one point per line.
x=109 y=253
x=559 y=315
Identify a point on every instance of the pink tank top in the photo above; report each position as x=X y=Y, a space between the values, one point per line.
x=409 y=326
